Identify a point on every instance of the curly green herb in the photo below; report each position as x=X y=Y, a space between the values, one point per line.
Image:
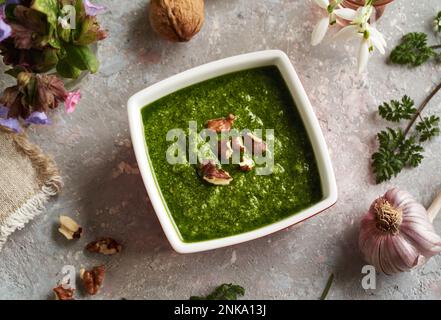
x=396 y=150
x=226 y=291
x=413 y=50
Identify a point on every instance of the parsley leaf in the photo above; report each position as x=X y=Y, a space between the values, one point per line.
x=428 y=128
x=226 y=291
x=412 y=50
x=394 y=154
x=397 y=110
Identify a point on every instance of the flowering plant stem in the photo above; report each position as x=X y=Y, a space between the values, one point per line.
x=421 y=108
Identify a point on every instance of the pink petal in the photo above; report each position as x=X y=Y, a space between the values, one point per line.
x=72 y=100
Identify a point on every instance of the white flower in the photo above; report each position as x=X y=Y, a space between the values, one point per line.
x=321 y=27
x=359 y=28
x=332 y=13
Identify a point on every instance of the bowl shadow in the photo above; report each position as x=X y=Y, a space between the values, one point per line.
x=116 y=205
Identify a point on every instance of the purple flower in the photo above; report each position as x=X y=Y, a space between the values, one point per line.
x=93 y=9
x=38 y=118
x=3 y=111
x=5 y=30
x=11 y=123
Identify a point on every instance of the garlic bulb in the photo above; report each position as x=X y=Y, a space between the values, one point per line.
x=397 y=234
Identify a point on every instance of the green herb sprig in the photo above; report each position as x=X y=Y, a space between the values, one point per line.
x=399 y=149
x=226 y=291
x=413 y=50
x=397 y=110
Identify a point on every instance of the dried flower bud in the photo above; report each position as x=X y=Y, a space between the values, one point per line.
x=69 y=228
x=23 y=78
x=106 y=246
x=50 y=91
x=93 y=279
x=9 y=96
x=90 y=32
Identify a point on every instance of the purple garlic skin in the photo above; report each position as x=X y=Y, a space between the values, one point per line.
x=396 y=234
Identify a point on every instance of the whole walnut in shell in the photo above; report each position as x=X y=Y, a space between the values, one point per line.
x=177 y=20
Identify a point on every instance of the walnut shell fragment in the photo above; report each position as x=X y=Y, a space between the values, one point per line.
x=237 y=143
x=221 y=124
x=69 y=228
x=212 y=174
x=106 y=246
x=93 y=279
x=247 y=163
x=62 y=293
x=177 y=20
x=225 y=151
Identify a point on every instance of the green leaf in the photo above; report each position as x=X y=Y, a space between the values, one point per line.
x=47 y=60
x=428 y=128
x=9 y=11
x=223 y=292
x=412 y=50
x=395 y=152
x=397 y=110
x=82 y=58
x=15 y=71
x=49 y=8
x=410 y=153
x=66 y=70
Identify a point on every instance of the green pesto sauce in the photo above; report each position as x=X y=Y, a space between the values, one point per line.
x=260 y=100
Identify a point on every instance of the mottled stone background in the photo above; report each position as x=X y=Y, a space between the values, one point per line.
x=105 y=193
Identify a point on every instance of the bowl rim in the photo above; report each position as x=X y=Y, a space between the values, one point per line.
x=212 y=70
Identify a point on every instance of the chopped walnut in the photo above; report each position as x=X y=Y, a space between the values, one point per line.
x=225 y=151
x=237 y=144
x=93 y=279
x=247 y=163
x=221 y=124
x=106 y=246
x=212 y=174
x=259 y=146
x=69 y=228
x=62 y=293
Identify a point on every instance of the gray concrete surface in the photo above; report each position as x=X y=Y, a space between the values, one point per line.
x=106 y=195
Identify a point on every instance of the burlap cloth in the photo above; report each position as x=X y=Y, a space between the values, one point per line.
x=28 y=178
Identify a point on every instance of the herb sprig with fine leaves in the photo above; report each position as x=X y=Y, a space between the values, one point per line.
x=399 y=149
x=413 y=50
x=396 y=110
x=226 y=291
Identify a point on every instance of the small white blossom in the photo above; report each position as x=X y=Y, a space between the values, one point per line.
x=369 y=36
x=322 y=26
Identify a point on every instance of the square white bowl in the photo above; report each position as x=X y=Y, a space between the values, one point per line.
x=212 y=70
